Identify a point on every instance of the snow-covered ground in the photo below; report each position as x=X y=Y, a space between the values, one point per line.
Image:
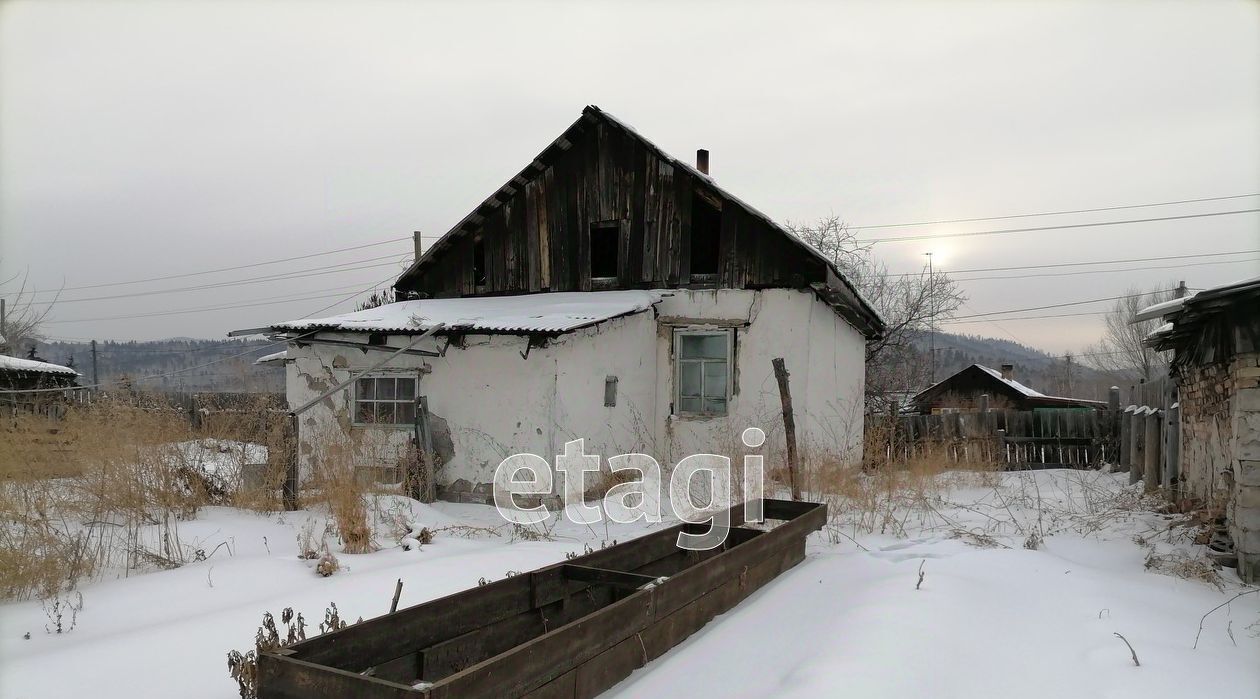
x=991 y=617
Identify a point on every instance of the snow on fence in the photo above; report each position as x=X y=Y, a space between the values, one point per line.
x=1150 y=434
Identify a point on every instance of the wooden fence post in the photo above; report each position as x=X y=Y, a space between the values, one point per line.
x=1137 y=444
x=1113 y=425
x=789 y=424
x=289 y=492
x=1126 y=439
x=1151 y=450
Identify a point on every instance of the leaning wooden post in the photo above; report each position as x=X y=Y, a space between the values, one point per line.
x=393 y=605
x=1151 y=450
x=789 y=424
x=291 y=457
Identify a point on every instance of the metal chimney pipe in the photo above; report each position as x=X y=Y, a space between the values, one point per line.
x=1008 y=371
x=702 y=161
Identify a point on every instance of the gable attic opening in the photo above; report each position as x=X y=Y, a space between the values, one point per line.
x=605 y=239
x=479 y=262
x=706 y=226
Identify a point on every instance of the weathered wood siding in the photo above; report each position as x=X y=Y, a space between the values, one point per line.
x=536 y=236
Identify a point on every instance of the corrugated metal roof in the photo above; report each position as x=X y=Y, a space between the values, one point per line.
x=555 y=312
x=1185 y=319
x=273 y=357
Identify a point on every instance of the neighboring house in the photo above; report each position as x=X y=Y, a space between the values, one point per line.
x=608 y=292
x=961 y=393
x=1214 y=336
x=24 y=383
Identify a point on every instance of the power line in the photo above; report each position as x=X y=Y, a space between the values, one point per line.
x=248 y=266
x=1059 y=305
x=1109 y=271
x=298 y=274
x=1050 y=213
x=931 y=236
x=206 y=309
x=1081 y=264
x=1057 y=315
x=336 y=303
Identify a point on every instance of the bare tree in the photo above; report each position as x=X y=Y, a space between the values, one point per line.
x=910 y=304
x=1120 y=351
x=22 y=319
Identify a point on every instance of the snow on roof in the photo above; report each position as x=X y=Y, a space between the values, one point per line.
x=548 y=312
x=18 y=364
x=1159 y=309
x=1161 y=330
x=1012 y=383
x=1021 y=388
x=273 y=357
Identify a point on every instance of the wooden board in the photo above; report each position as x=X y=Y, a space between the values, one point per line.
x=571 y=629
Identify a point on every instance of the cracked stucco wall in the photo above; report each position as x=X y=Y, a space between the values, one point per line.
x=494 y=402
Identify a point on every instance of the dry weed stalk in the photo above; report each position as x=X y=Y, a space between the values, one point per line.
x=102 y=488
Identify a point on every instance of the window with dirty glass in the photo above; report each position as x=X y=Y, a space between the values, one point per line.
x=703 y=372
x=385 y=400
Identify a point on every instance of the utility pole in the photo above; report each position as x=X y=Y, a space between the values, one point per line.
x=4 y=323
x=1069 y=373
x=95 y=379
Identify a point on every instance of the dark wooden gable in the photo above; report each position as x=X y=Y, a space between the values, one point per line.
x=534 y=234
x=968 y=383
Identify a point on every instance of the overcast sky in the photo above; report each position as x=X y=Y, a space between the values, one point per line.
x=147 y=139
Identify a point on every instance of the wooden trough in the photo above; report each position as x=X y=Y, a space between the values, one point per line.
x=570 y=630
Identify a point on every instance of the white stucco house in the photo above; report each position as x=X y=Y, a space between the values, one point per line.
x=608 y=292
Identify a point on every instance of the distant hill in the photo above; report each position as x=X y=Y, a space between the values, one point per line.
x=196 y=365
x=1038 y=370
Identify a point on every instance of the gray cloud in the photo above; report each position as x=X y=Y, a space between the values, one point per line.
x=141 y=139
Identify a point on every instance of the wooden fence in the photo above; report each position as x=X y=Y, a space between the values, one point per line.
x=1150 y=434
x=1018 y=439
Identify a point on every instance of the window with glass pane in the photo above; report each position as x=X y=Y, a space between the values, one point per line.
x=703 y=365
x=385 y=400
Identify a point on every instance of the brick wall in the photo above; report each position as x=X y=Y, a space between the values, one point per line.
x=1220 y=446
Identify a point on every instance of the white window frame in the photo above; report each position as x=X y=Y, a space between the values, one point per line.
x=679 y=333
x=356 y=399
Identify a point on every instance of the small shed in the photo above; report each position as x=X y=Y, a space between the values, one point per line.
x=1214 y=336
x=961 y=393
x=24 y=384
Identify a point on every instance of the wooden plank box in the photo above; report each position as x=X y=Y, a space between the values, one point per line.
x=569 y=630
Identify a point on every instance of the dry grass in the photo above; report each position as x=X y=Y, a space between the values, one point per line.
x=879 y=495
x=341 y=466
x=105 y=487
